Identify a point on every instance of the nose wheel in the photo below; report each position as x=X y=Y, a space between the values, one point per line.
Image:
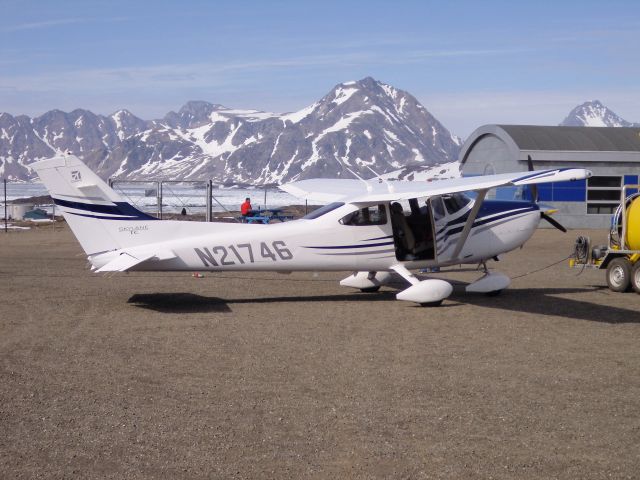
x=491 y=283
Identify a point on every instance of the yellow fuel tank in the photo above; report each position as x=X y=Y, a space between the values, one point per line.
x=633 y=225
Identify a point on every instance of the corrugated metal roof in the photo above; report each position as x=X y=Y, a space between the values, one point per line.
x=599 y=139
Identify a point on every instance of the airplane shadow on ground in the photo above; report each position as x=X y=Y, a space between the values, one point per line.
x=545 y=301
x=539 y=301
x=178 y=303
x=192 y=303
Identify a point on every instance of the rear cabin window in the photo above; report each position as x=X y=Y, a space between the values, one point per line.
x=373 y=215
x=438 y=208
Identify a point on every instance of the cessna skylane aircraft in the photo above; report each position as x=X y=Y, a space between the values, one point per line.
x=371 y=228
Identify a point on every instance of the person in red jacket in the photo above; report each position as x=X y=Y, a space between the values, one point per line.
x=245 y=208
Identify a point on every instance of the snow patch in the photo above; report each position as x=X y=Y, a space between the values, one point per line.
x=403 y=101
x=392 y=136
x=343 y=94
x=389 y=90
x=214 y=148
x=250 y=115
x=593 y=117
x=433 y=173
x=340 y=125
x=388 y=116
x=120 y=170
x=295 y=117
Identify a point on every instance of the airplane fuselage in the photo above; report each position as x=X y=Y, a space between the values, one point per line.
x=372 y=228
x=326 y=244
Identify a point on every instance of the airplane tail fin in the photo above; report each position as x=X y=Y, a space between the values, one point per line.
x=87 y=202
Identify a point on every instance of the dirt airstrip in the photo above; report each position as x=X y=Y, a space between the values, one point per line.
x=262 y=375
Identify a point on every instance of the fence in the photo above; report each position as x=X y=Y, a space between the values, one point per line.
x=162 y=197
x=158 y=197
x=158 y=191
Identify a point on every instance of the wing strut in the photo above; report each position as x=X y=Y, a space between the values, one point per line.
x=467 y=226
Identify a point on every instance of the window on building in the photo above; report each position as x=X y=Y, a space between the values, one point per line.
x=603 y=194
x=373 y=215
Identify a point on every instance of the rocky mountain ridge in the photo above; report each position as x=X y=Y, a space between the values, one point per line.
x=595 y=114
x=356 y=126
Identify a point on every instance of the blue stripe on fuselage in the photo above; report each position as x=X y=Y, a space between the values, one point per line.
x=118 y=208
x=492 y=210
x=332 y=247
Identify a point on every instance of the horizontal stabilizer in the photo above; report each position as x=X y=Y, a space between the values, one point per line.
x=123 y=262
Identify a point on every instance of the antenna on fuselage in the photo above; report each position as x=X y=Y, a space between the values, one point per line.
x=389 y=186
x=369 y=187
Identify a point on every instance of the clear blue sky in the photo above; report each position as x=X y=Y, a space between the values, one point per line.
x=468 y=62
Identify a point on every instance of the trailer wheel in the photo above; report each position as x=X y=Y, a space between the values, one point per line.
x=635 y=277
x=619 y=274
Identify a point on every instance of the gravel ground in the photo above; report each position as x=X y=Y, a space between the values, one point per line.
x=291 y=376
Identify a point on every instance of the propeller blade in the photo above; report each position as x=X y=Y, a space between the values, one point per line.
x=532 y=188
x=553 y=222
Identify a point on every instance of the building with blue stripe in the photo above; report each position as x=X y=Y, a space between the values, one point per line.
x=611 y=153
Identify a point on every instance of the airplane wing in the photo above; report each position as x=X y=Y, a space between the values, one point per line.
x=375 y=190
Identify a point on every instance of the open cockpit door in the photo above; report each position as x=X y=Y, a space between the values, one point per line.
x=413 y=231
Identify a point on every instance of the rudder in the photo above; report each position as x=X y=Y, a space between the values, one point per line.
x=86 y=202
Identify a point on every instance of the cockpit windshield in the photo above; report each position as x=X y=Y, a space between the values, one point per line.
x=322 y=210
x=455 y=201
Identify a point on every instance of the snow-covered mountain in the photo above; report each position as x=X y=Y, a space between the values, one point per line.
x=594 y=114
x=356 y=125
x=24 y=140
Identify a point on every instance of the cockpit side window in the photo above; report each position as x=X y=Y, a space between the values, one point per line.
x=372 y=215
x=455 y=201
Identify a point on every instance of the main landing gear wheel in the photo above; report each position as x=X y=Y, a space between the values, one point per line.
x=619 y=274
x=370 y=289
x=635 y=277
x=493 y=293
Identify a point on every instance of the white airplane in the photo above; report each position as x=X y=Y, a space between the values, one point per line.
x=363 y=229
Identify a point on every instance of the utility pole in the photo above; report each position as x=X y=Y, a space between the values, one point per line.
x=209 y=213
x=5 y=205
x=159 y=199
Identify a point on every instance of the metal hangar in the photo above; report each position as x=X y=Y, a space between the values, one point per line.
x=612 y=153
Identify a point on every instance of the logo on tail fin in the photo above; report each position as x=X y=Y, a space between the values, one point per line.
x=75 y=176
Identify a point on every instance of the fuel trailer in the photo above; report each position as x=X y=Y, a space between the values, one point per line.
x=621 y=257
